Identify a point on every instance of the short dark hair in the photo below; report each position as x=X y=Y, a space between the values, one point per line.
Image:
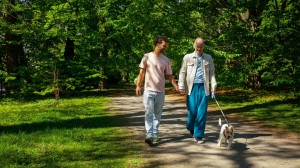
x=160 y=39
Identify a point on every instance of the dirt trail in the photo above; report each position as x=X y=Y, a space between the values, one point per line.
x=253 y=147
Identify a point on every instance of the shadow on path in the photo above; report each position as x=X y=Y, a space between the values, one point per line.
x=252 y=147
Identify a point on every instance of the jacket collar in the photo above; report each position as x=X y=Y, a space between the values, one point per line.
x=195 y=56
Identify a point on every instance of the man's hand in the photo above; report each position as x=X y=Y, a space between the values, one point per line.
x=173 y=82
x=213 y=95
x=181 y=91
x=138 y=90
x=176 y=87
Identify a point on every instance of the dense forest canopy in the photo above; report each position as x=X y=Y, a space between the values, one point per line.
x=65 y=45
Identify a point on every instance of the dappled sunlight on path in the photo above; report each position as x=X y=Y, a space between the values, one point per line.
x=252 y=147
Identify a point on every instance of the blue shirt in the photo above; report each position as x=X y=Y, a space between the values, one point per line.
x=199 y=72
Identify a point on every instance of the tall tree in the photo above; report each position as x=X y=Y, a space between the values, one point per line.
x=242 y=29
x=14 y=53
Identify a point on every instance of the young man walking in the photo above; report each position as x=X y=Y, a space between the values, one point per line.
x=154 y=67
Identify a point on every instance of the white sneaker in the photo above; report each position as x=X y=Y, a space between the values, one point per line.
x=199 y=140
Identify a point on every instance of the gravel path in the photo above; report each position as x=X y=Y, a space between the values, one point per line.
x=253 y=147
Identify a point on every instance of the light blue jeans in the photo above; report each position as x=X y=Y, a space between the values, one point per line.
x=153 y=102
x=197 y=103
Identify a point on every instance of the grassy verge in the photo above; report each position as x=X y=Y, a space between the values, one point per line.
x=278 y=110
x=77 y=132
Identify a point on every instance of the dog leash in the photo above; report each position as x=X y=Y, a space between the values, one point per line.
x=221 y=111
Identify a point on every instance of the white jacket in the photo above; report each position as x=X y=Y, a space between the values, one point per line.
x=188 y=71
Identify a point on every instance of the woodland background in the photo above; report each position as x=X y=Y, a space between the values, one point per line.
x=57 y=46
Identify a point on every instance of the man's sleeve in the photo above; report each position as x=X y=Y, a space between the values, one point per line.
x=182 y=74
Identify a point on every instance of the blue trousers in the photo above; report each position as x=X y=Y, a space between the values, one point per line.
x=197 y=103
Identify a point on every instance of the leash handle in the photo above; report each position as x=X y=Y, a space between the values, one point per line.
x=221 y=111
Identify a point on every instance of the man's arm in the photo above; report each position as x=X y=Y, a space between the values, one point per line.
x=140 y=81
x=212 y=76
x=182 y=76
x=173 y=81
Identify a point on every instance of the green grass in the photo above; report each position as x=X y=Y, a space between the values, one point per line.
x=273 y=109
x=77 y=132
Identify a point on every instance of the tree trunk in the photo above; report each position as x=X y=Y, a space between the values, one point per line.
x=254 y=81
x=103 y=54
x=56 y=84
x=14 y=53
x=101 y=80
x=15 y=56
x=126 y=77
x=69 y=49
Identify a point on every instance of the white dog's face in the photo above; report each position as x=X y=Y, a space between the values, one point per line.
x=226 y=135
x=228 y=132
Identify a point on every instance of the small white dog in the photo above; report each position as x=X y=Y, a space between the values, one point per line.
x=226 y=134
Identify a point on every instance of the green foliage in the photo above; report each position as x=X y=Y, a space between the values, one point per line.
x=3 y=75
x=253 y=43
x=265 y=38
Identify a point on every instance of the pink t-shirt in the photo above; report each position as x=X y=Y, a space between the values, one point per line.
x=156 y=69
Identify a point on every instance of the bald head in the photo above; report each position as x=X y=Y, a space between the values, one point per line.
x=199 y=41
x=199 y=45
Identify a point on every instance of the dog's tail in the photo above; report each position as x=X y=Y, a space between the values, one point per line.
x=220 y=122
